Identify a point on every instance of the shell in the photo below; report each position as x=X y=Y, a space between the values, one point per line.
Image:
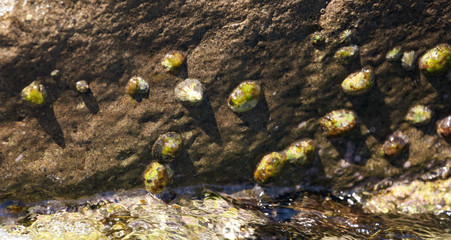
x=359 y=82
x=408 y=60
x=173 y=61
x=394 y=145
x=82 y=86
x=436 y=61
x=347 y=54
x=244 y=97
x=189 y=92
x=419 y=115
x=346 y=36
x=136 y=86
x=444 y=127
x=339 y=122
x=167 y=146
x=318 y=38
x=269 y=167
x=34 y=94
x=157 y=177
x=300 y=152
x=394 y=54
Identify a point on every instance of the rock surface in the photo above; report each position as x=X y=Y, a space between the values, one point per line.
x=80 y=144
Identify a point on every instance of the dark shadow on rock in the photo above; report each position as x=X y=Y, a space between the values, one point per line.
x=352 y=148
x=372 y=112
x=90 y=102
x=47 y=120
x=257 y=118
x=205 y=119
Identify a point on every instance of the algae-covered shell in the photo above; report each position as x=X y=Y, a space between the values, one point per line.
x=419 y=115
x=444 y=127
x=437 y=60
x=270 y=166
x=136 y=86
x=408 y=60
x=34 y=94
x=394 y=145
x=244 y=97
x=347 y=54
x=339 y=122
x=157 y=177
x=359 y=82
x=394 y=54
x=318 y=38
x=167 y=146
x=173 y=61
x=82 y=86
x=189 y=92
x=300 y=152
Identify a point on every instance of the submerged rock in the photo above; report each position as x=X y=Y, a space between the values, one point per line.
x=244 y=97
x=339 y=122
x=436 y=61
x=34 y=94
x=359 y=82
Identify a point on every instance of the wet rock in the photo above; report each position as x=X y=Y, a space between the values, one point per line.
x=83 y=145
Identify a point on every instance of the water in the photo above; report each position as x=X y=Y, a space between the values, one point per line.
x=214 y=212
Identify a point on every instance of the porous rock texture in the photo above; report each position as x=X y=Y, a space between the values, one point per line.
x=80 y=144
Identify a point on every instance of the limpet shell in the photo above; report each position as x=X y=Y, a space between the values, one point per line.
x=419 y=115
x=394 y=145
x=339 y=122
x=359 y=82
x=189 y=92
x=82 y=86
x=300 y=152
x=167 y=146
x=173 y=61
x=34 y=94
x=444 y=127
x=436 y=61
x=244 y=97
x=136 y=86
x=269 y=167
x=157 y=177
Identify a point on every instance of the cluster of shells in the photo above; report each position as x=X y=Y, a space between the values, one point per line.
x=247 y=94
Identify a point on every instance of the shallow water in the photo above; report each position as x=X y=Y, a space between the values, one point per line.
x=214 y=212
